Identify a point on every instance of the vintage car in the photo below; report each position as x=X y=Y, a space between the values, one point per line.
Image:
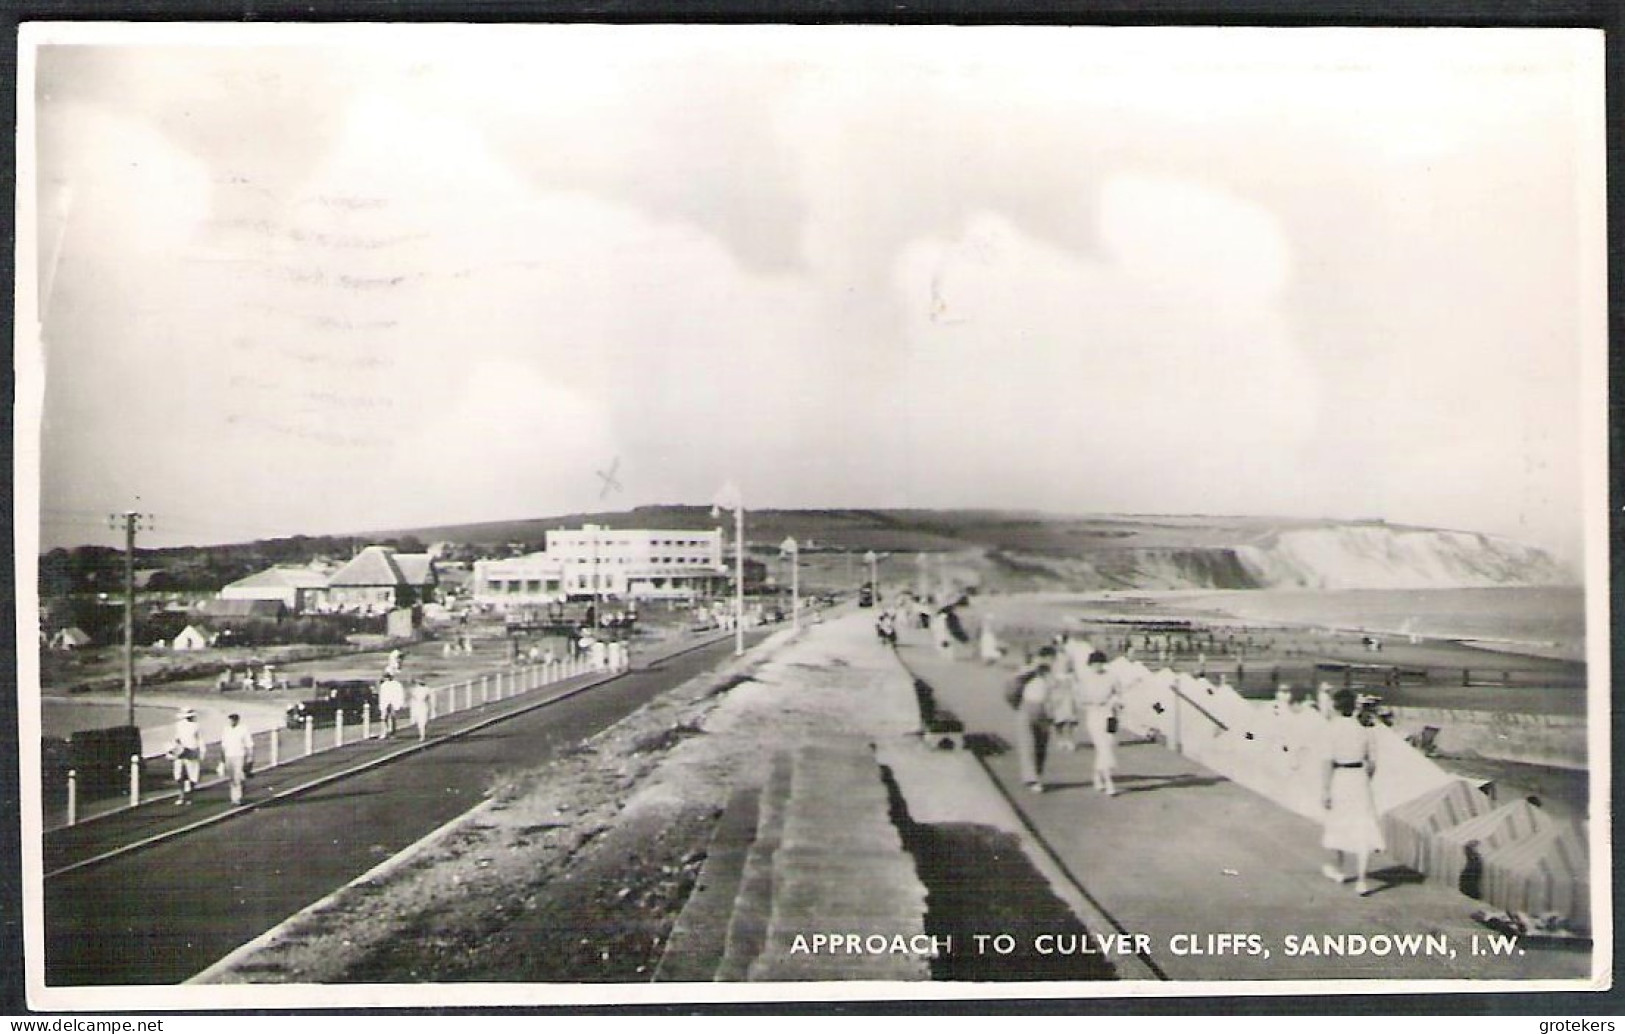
x=352 y=696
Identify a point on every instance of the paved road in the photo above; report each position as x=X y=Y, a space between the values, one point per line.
x=167 y=911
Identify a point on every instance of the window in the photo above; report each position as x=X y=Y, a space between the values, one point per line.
x=533 y=585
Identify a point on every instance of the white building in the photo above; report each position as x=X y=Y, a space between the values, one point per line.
x=297 y=588
x=519 y=581
x=611 y=563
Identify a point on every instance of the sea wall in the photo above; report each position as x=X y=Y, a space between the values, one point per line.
x=1535 y=739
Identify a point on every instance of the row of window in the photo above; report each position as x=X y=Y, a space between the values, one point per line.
x=587 y=542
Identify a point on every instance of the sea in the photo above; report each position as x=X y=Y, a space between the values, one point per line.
x=1544 y=620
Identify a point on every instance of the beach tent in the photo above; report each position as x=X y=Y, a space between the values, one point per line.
x=70 y=639
x=1548 y=872
x=1403 y=772
x=1407 y=826
x=192 y=638
x=1445 y=854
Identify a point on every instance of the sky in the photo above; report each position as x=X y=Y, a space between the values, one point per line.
x=323 y=280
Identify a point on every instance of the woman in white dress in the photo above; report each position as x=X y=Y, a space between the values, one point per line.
x=1352 y=826
x=1099 y=696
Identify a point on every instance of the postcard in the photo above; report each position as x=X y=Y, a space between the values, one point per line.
x=518 y=515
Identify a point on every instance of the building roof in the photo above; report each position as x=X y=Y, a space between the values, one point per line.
x=416 y=568
x=373 y=566
x=282 y=578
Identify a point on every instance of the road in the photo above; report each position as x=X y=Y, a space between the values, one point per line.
x=163 y=913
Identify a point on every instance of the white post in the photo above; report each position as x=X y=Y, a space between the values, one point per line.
x=485 y=688
x=310 y=735
x=73 y=796
x=135 y=780
x=338 y=727
x=366 y=720
x=276 y=745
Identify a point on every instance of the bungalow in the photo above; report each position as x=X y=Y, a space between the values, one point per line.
x=298 y=589
x=193 y=637
x=224 y=611
x=379 y=579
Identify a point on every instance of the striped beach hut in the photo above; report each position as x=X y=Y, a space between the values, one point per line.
x=1445 y=854
x=1548 y=872
x=1408 y=826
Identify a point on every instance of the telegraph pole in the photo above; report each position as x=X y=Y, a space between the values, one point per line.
x=131 y=521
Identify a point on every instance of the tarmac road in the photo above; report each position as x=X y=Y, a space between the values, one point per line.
x=165 y=912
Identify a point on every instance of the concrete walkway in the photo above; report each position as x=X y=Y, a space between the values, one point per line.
x=1210 y=881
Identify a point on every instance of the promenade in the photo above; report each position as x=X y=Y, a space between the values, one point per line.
x=1208 y=880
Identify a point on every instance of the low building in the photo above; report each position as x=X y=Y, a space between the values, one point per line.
x=526 y=581
x=378 y=580
x=298 y=589
x=226 y=612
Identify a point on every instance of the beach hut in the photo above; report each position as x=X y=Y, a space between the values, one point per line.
x=1446 y=855
x=1546 y=873
x=1407 y=827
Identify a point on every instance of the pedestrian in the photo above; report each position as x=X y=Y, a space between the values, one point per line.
x=187 y=753
x=420 y=708
x=1027 y=693
x=988 y=643
x=1352 y=826
x=391 y=703
x=237 y=754
x=1062 y=703
x=1099 y=695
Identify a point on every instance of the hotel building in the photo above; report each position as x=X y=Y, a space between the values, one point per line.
x=612 y=563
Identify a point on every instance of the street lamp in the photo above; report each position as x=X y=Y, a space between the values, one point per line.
x=874 y=577
x=789 y=548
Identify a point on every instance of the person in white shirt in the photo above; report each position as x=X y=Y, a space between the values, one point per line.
x=391 y=703
x=187 y=753
x=1099 y=695
x=420 y=708
x=237 y=749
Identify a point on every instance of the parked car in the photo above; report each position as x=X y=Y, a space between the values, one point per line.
x=352 y=696
x=866 y=595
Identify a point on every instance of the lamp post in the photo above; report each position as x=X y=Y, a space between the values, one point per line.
x=790 y=549
x=874 y=576
x=731 y=499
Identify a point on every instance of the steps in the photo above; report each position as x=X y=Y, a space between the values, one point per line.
x=823 y=858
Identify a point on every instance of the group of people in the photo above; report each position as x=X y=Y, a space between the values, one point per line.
x=267 y=679
x=1066 y=683
x=187 y=753
x=394 y=701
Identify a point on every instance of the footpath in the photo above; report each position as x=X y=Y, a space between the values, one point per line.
x=1184 y=877
x=1208 y=881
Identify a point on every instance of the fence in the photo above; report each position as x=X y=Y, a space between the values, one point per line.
x=280 y=745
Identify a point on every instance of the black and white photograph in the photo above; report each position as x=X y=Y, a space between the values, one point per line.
x=517 y=515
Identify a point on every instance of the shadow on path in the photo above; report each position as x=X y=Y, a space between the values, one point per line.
x=979 y=881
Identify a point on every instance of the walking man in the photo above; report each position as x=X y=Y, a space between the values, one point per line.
x=391 y=703
x=187 y=753
x=1028 y=694
x=237 y=748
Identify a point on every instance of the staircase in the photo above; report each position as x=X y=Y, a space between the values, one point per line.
x=812 y=852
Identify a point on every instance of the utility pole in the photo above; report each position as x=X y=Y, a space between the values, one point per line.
x=131 y=521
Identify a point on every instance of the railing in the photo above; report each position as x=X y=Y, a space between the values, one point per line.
x=444 y=701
